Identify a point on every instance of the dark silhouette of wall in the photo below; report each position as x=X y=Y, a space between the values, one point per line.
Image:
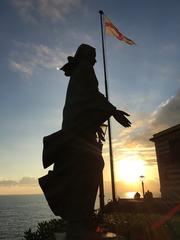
x=167 y=145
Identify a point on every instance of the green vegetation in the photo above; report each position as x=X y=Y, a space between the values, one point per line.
x=136 y=226
x=45 y=230
x=142 y=226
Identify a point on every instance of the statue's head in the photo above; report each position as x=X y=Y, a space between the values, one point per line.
x=86 y=52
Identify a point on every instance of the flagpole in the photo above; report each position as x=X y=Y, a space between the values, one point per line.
x=109 y=123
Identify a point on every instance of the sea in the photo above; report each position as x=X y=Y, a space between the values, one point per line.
x=18 y=213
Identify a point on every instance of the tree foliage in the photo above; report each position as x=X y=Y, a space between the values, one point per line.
x=45 y=230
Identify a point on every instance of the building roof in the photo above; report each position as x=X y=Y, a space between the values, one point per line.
x=166 y=132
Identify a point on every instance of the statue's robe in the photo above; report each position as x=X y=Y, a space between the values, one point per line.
x=71 y=187
x=85 y=107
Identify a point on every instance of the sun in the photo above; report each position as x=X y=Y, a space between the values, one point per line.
x=129 y=170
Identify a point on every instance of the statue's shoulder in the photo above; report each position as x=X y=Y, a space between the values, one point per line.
x=83 y=69
x=85 y=65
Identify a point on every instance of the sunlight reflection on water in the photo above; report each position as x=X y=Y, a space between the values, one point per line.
x=129 y=194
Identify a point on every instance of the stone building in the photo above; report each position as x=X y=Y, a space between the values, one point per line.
x=167 y=144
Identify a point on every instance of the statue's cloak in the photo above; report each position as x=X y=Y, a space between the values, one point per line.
x=71 y=187
x=85 y=107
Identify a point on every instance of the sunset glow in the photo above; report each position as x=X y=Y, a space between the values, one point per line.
x=143 y=80
x=129 y=170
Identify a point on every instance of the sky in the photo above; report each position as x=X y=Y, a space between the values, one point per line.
x=144 y=80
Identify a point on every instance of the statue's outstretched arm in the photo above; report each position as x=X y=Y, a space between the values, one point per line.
x=120 y=117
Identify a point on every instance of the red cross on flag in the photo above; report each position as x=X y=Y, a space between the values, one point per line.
x=111 y=30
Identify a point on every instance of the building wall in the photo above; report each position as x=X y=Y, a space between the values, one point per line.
x=167 y=145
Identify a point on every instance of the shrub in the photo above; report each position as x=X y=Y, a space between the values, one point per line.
x=45 y=230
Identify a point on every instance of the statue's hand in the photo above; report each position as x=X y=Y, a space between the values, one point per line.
x=120 y=117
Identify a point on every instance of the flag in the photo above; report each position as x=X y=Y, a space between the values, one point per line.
x=111 y=30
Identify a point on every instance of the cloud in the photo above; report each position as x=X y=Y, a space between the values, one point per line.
x=25 y=181
x=78 y=36
x=168 y=113
x=21 y=68
x=55 y=10
x=135 y=141
x=25 y=9
x=29 y=57
x=7 y=183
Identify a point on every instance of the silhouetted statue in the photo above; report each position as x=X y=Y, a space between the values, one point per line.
x=76 y=150
x=148 y=195
x=137 y=196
